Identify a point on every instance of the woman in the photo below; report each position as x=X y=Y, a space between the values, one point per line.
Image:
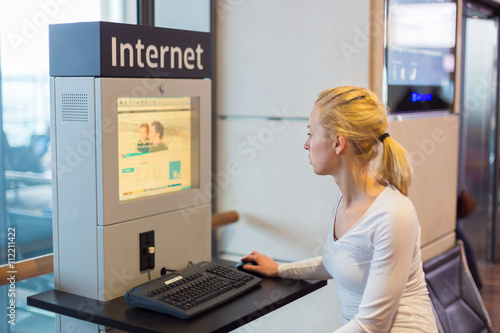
x=373 y=246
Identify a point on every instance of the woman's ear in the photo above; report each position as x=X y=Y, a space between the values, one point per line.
x=339 y=143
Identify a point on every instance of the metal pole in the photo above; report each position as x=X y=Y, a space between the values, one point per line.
x=146 y=12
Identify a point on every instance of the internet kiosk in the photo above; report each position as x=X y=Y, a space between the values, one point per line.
x=131 y=129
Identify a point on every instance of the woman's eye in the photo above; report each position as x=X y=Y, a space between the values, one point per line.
x=309 y=134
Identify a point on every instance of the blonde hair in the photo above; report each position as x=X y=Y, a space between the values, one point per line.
x=359 y=115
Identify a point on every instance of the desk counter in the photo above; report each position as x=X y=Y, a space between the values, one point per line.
x=269 y=296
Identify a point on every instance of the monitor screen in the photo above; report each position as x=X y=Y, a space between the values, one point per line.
x=155 y=148
x=420 y=54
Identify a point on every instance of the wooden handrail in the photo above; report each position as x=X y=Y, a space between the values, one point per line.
x=222 y=219
x=27 y=269
x=44 y=265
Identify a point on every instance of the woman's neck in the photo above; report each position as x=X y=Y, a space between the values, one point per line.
x=358 y=188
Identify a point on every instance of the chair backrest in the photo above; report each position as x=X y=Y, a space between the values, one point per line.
x=454 y=295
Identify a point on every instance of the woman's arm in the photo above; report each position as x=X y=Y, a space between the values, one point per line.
x=311 y=269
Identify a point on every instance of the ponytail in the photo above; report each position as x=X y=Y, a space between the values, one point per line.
x=360 y=116
x=394 y=166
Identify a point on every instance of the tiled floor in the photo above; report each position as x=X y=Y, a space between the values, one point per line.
x=490 y=276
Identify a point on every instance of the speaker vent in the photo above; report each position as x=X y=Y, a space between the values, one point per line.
x=75 y=107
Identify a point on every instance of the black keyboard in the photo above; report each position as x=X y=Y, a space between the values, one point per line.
x=192 y=290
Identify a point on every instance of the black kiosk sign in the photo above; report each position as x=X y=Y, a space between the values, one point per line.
x=104 y=49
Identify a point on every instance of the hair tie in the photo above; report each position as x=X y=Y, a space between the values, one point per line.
x=383 y=136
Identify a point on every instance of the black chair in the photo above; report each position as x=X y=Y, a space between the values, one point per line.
x=457 y=303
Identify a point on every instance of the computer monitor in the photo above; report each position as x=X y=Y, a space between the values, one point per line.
x=420 y=54
x=155 y=153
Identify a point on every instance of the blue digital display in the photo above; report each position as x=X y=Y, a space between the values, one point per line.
x=416 y=97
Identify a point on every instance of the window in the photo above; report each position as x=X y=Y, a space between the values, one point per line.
x=25 y=173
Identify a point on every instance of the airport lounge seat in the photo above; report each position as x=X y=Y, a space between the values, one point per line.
x=458 y=306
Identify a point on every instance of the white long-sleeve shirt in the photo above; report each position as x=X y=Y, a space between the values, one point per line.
x=377 y=268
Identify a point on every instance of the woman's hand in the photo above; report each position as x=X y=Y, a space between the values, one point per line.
x=265 y=265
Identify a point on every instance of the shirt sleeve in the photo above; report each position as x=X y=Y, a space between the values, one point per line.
x=310 y=269
x=393 y=245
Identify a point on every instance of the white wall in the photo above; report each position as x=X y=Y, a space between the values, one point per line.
x=272 y=58
x=281 y=53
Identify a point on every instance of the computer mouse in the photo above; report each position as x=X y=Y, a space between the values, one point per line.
x=242 y=263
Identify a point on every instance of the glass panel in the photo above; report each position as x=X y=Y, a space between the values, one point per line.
x=480 y=75
x=119 y=11
x=180 y=14
x=24 y=130
x=17 y=316
x=26 y=117
x=27 y=159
